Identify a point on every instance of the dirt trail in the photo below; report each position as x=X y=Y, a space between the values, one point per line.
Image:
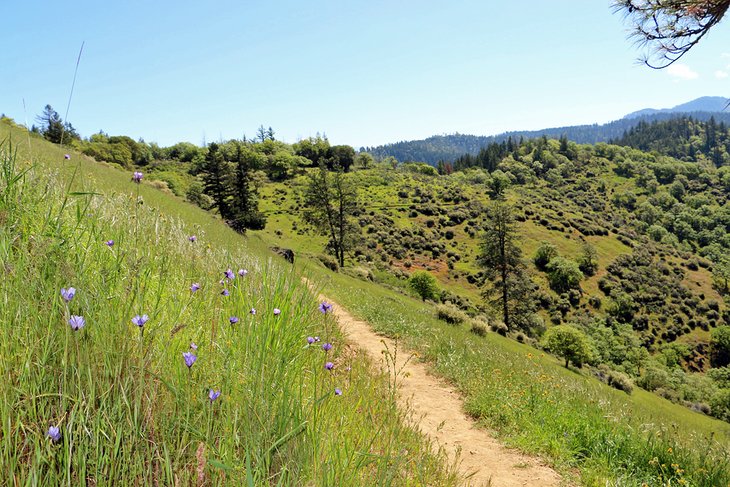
x=437 y=412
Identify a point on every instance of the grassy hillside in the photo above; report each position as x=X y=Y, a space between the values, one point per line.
x=116 y=403
x=534 y=403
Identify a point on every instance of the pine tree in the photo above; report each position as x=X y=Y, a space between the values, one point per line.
x=217 y=180
x=244 y=205
x=501 y=259
x=51 y=125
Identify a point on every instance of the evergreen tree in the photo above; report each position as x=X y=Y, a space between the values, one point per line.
x=217 y=176
x=501 y=259
x=244 y=205
x=51 y=125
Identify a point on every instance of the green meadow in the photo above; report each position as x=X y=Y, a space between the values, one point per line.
x=114 y=403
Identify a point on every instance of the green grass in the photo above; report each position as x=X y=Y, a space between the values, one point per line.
x=534 y=403
x=129 y=410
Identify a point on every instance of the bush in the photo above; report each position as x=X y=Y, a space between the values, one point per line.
x=479 y=327
x=720 y=404
x=615 y=379
x=424 y=284
x=544 y=254
x=329 y=262
x=450 y=314
x=564 y=274
x=499 y=328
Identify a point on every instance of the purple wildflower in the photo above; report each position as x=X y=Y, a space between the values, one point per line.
x=229 y=274
x=242 y=272
x=140 y=320
x=310 y=340
x=109 y=243
x=190 y=358
x=193 y=346
x=76 y=322
x=327 y=347
x=325 y=307
x=194 y=287
x=329 y=366
x=192 y=238
x=277 y=311
x=68 y=294
x=253 y=311
x=137 y=177
x=213 y=395
x=54 y=433
x=233 y=320
x=225 y=292
x=67 y=157
x=338 y=391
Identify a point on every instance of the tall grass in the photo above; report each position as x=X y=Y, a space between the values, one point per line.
x=580 y=424
x=129 y=410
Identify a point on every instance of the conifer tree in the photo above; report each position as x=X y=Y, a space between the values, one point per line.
x=501 y=259
x=217 y=176
x=244 y=205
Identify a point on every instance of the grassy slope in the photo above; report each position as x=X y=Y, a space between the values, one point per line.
x=538 y=405
x=128 y=409
x=576 y=420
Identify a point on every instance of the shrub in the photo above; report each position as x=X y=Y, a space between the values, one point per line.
x=329 y=262
x=544 y=254
x=424 y=284
x=450 y=314
x=620 y=381
x=564 y=274
x=720 y=404
x=499 y=328
x=479 y=327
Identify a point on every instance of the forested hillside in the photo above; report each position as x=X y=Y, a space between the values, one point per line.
x=448 y=147
x=684 y=138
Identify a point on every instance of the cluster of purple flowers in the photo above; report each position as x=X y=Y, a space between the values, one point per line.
x=76 y=322
x=137 y=177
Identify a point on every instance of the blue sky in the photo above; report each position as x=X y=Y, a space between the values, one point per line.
x=364 y=73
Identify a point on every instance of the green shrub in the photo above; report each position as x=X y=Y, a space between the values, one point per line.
x=329 y=262
x=564 y=274
x=450 y=314
x=479 y=327
x=544 y=254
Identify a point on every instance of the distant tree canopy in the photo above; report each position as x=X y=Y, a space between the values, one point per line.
x=671 y=27
x=684 y=138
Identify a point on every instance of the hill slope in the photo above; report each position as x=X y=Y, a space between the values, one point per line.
x=148 y=372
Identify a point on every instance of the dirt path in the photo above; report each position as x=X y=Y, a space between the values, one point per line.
x=437 y=412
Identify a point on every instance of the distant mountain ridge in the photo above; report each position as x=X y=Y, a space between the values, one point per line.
x=702 y=104
x=448 y=147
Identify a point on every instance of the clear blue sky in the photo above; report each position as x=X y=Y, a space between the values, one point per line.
x=364 y=73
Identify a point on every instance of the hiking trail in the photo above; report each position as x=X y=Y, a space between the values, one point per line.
x=437 y=411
